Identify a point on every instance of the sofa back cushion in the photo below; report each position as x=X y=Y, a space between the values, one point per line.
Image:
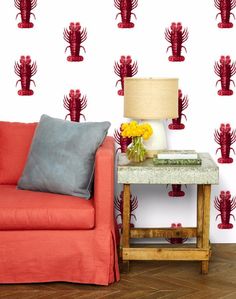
x=15 y=141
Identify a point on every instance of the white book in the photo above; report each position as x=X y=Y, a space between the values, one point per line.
x=172 y=154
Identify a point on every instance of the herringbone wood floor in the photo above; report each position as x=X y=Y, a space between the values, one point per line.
x=148 y=280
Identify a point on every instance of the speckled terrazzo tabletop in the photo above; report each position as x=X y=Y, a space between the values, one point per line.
x=147 y=173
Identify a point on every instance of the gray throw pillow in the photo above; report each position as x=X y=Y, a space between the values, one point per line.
x=62 y=155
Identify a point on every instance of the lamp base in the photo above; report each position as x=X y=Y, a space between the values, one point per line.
x=157 y=141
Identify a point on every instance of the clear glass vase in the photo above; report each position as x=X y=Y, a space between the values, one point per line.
x=136 y=152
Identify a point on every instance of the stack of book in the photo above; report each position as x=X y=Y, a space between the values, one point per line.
x=177 y=157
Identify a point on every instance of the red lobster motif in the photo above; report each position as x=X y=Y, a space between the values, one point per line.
x=75 y=37
x=176 y=191
x=225 y=7
x=225 y=70
x=123 y=142
x=119 y=207
x=225 y=138
x=75 y=104
x=182 y=105
x=176 y=240
x=126 y=7
x=225 y=206
x=25 y=70
x=125 y=69
x=25 y=7
x=176 y=37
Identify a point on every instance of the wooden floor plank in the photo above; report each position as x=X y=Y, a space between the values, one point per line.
x=148 y=280
x=230 y=296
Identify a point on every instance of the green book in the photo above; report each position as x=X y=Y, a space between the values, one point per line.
x=160 y=162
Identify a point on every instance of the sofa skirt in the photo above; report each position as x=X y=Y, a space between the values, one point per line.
x=84 y=256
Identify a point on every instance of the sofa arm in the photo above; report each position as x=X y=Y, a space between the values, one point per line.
x=104 y=184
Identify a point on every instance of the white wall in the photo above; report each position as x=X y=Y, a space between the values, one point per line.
x=95 y=77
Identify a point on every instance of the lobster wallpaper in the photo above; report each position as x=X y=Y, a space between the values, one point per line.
x=69 y=59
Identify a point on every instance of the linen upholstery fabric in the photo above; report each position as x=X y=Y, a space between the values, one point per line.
x=82 y=256
x=15 y=141
x=28 y=210
x=62 y=155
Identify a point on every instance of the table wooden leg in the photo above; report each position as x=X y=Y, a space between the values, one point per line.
x=124 y=267
x=200 y=215
x=206 y=224
x=126 y=223
x=205 y=265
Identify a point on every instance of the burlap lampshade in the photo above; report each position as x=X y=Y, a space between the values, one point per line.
x=150 y=98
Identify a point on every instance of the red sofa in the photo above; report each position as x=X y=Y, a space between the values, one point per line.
x=50 y=237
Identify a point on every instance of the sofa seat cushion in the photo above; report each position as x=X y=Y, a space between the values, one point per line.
x=29 y=210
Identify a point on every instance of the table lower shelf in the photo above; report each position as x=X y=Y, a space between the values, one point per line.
x=173 y=252
x=167 y=254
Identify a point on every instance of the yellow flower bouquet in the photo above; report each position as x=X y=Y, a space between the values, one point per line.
x=136 y=152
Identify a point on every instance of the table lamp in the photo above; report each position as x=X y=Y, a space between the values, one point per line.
x=151 y=100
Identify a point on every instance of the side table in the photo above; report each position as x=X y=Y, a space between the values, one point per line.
x=147 y=173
